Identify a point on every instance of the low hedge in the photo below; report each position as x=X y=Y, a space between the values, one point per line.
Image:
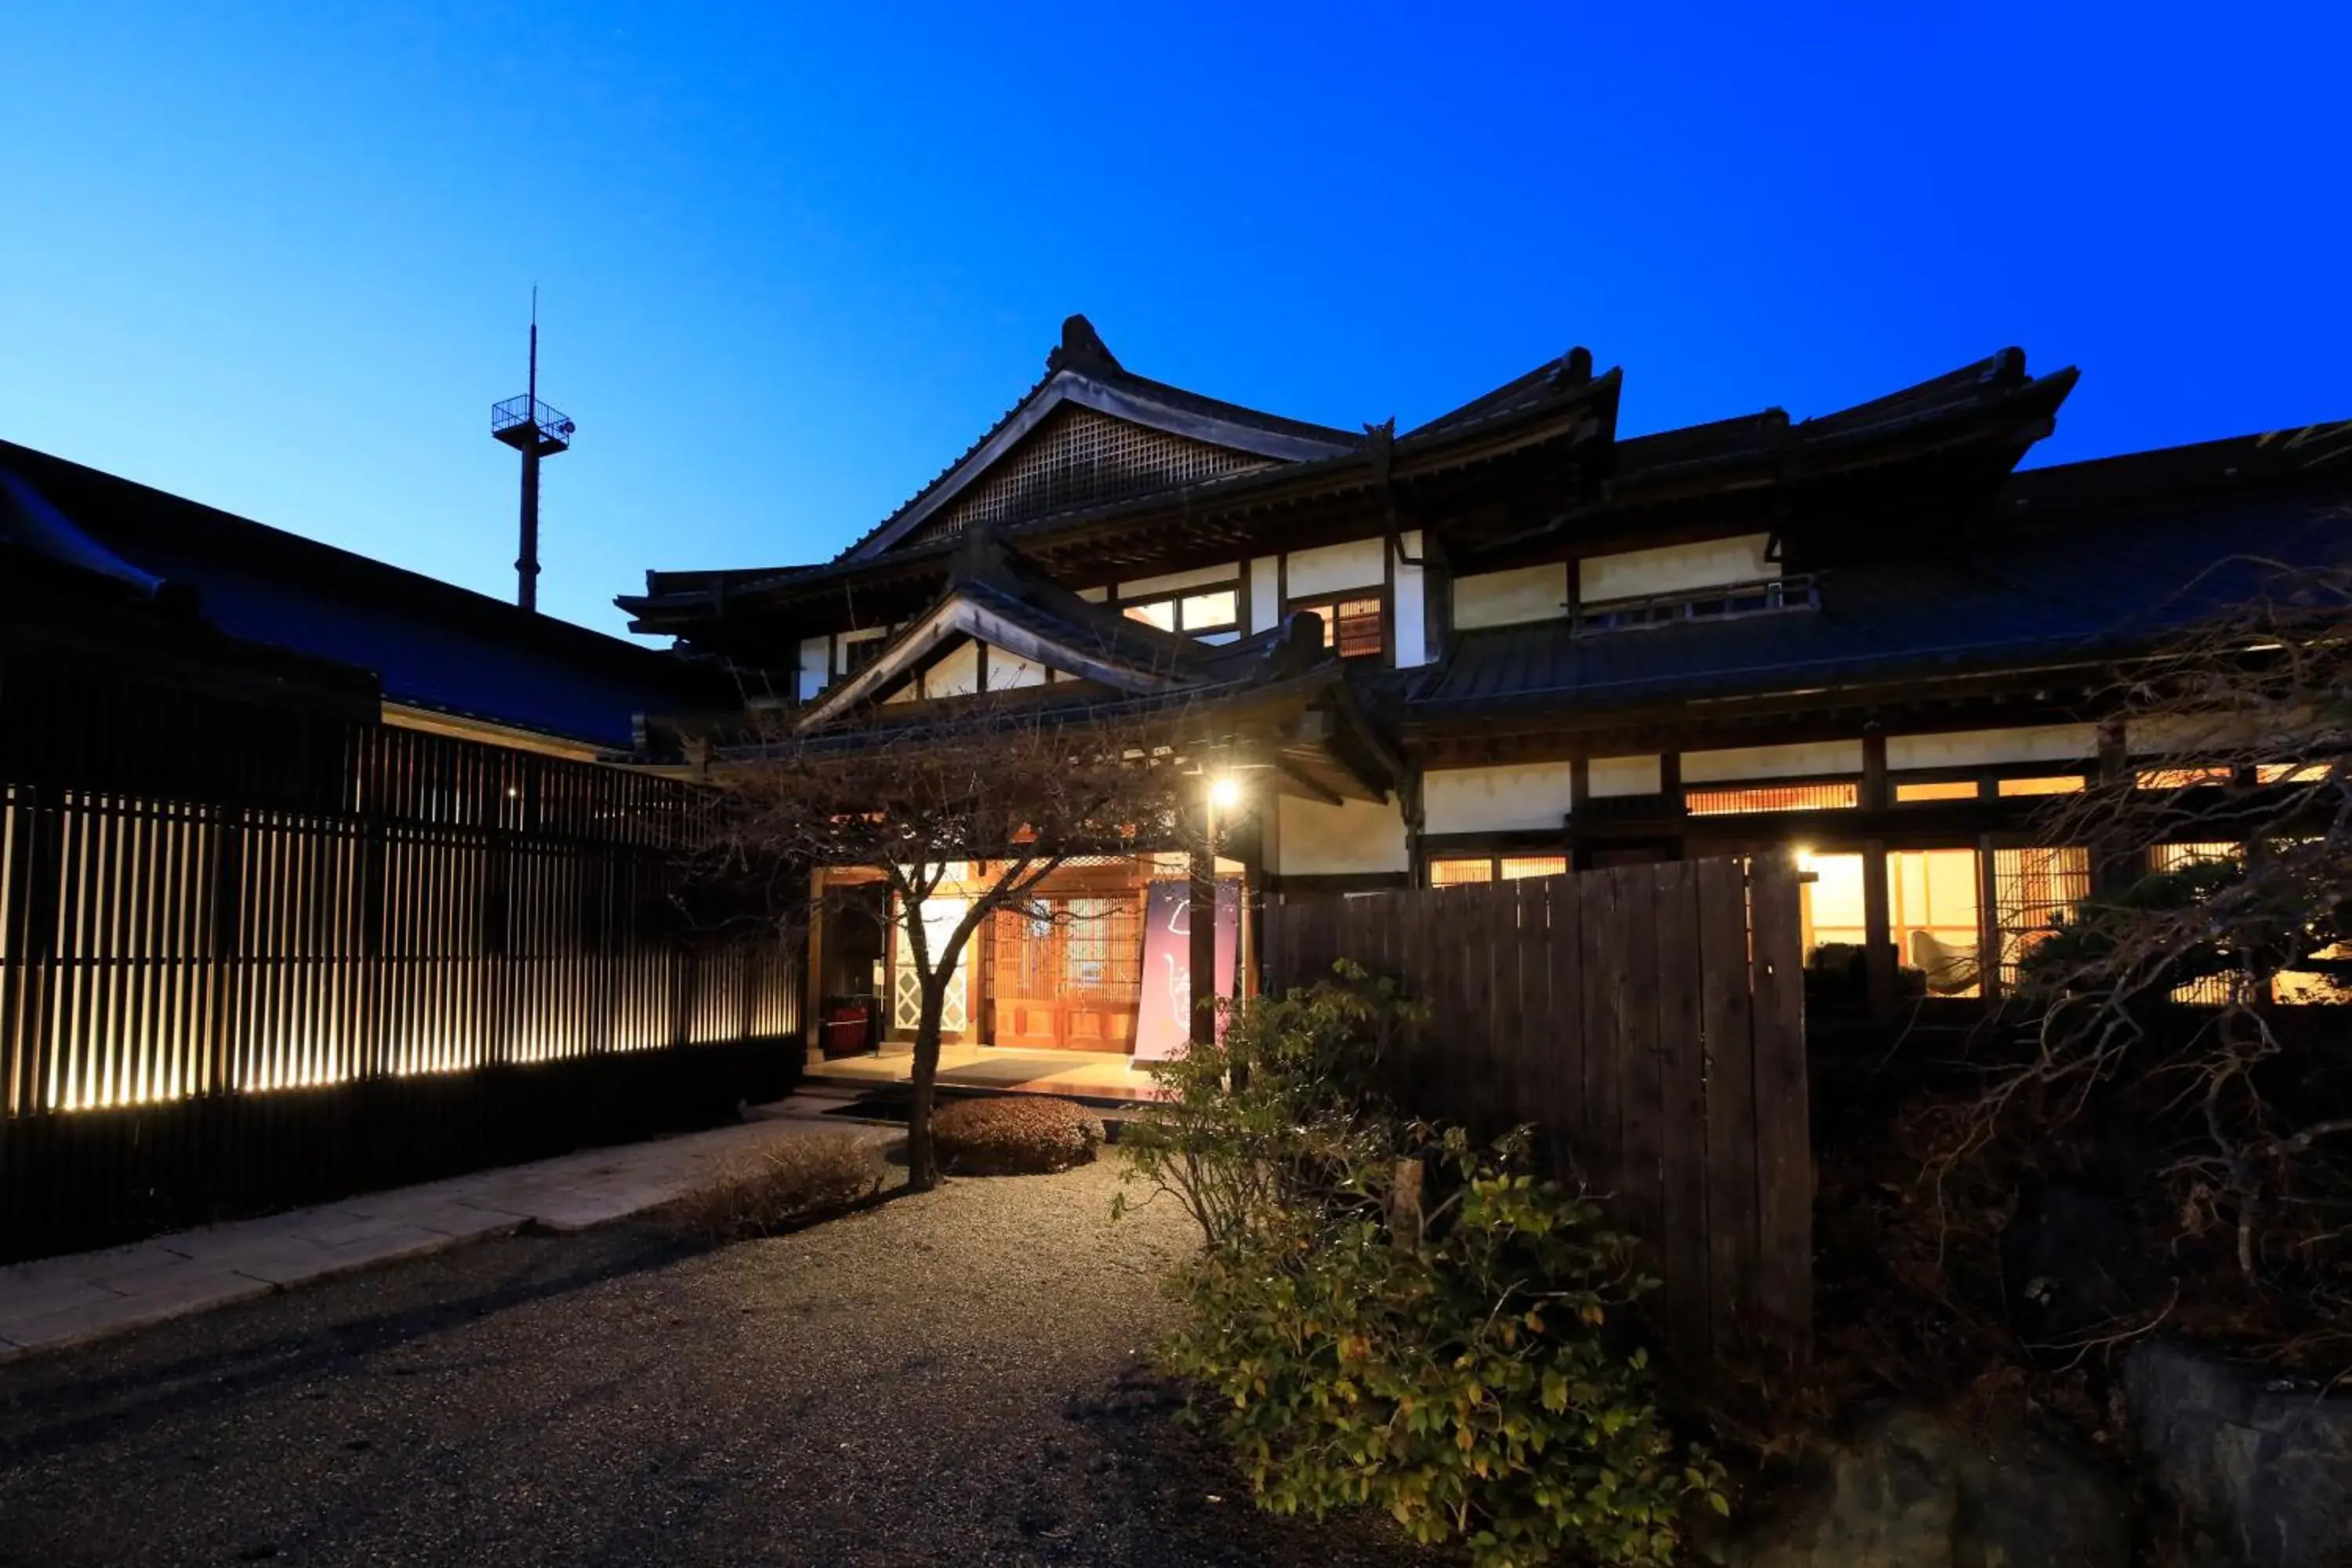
x=1017 y=1135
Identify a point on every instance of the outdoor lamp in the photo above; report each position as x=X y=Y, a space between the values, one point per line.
x=1224 y=792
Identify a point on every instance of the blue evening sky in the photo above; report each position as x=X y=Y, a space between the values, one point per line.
x=277 y=257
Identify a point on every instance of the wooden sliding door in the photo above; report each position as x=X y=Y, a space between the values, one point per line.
x=1068 y=975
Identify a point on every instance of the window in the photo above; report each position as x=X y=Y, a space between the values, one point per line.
x=1357 y=626
x=1457 y=871
x=1931 y=914
x=856 y=650
x=2071 y=784
x=2035 y=889
x=1841 y=795
x=1727 y=602
x=1936 y=789
x=2289 y=773
x=1206 y=610
x=2180 y=778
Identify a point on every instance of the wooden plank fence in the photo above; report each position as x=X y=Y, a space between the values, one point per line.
x=254 y=956
x=1648 y=1020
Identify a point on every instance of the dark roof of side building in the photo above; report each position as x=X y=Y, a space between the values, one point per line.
x=430 y=645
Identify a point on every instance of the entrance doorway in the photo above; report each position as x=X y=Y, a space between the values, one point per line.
x=1069 y=973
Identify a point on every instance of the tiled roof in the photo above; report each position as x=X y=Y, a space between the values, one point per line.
x=430 y=643
x=1081 y=352
x=2051 y=593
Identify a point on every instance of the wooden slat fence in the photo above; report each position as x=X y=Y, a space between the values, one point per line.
x=1649 y=1021
x=253 y=956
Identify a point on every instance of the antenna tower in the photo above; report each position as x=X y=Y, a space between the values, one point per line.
x=536 y=431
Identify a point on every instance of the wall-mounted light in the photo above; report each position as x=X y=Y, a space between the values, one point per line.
x=1224 y=792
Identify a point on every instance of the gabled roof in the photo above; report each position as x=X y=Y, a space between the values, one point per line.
x=1082 y=373
x=996 y=596
x=1560 y=415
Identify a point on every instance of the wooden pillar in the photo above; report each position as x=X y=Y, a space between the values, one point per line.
x=1878 y=940
x=1204 y=927
x=1880 y=959
x=2113 y=867
x=1580 y=807
x=813 y=982
x=1988 y=923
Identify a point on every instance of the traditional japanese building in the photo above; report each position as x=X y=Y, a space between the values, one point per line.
x=1510 y=642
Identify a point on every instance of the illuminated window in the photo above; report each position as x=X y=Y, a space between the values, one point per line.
x=2072 y=784
x=1931 y=912
x=2180 y=857
x=2180 y=778
x=1356 y=627
x=1829 y=905
x=1455 y=872
x=1211 y=610
x=2033 y=889
x=2288 y=773
x=1839 y=796
x=1948 y=789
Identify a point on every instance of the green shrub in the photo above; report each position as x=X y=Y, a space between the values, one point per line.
x=1386 y=1316
x=1016 y=1135
x=786 y=1182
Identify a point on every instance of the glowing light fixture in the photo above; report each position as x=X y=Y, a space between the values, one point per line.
x=1224 y=792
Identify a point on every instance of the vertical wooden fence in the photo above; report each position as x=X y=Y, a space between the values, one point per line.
x=1648 y=1020
x=253 y=956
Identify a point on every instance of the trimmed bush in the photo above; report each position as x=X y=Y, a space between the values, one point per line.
x=1017 y=1135
x=794 y=1179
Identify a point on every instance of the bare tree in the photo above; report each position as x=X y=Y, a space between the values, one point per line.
x=2223 y=857
x=990 y=797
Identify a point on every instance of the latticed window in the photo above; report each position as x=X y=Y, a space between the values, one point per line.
x=1076 y=457
x=1842 y=794
x=1357 y=627
x=2033 y=889
x=1457 y=871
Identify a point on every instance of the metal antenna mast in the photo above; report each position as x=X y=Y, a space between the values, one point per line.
x=536 y=431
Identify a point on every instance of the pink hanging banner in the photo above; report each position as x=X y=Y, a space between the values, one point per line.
x=1161 y=1025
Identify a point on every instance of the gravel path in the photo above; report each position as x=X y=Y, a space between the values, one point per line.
x=947 y=1378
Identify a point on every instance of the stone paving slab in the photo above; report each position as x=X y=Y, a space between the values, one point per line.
x=56 y=1301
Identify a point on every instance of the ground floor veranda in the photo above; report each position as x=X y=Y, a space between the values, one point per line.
x=1001 y=1069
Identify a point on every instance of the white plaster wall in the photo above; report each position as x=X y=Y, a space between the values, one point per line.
x=1143 y=588
x=1772 y=762
x=1609 y=776
x=1266 y=593
x=1007 y=671
x=1312 y=839
x=1675 y=568
x=1331 y=568
x=1975 y=748
x=1411 y=638
x=1505 y=598
x=1481 y=800
x=813 y=672
x=955 y=675
x=1095 y=595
